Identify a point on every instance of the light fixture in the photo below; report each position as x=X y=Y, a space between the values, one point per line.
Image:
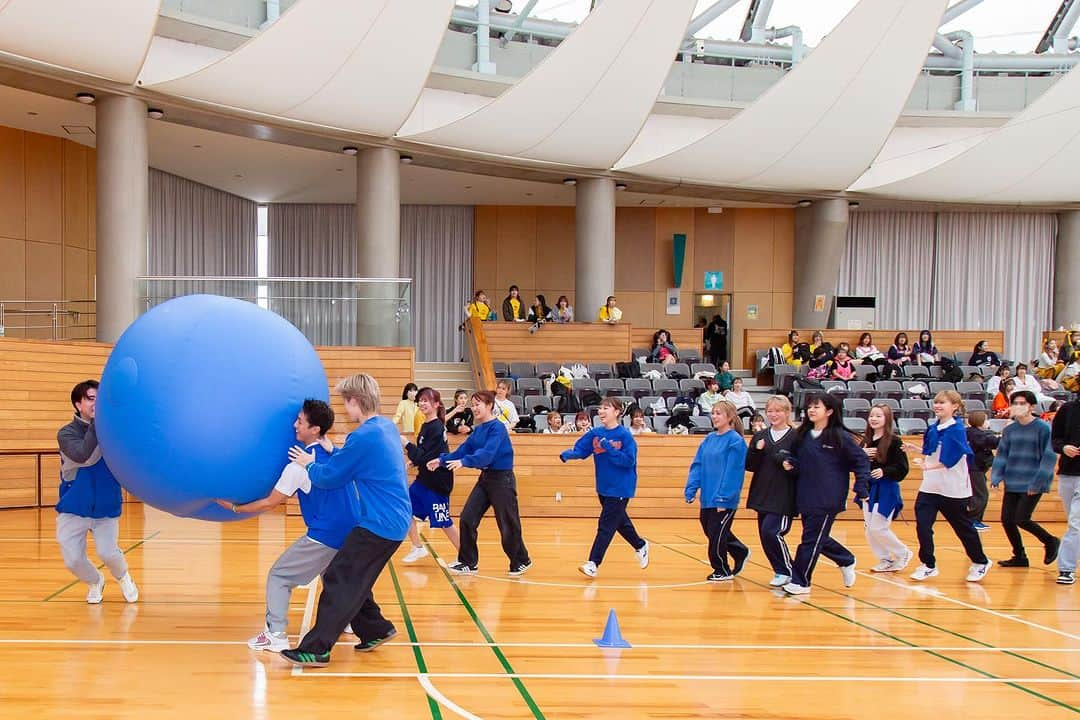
x=714 y=210
x=85 y=98
x=569 y=182
x=405 y=159
x=350 y=150
x=619 y=187
x=804 y=203
x=503 y=6
x=853 y=204
x=155 y=114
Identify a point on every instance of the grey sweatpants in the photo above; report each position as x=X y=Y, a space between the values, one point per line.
x=71 y=534
x=301 y=563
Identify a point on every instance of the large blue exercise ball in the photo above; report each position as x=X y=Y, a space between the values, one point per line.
x=198 y=399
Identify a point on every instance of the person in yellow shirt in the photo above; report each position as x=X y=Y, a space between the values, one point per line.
x=609 y=313
x=513 y=310
x=479 y=307
x=788 y=349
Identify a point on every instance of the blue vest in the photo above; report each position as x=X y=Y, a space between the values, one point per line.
x=94 y=493
x=330 y=515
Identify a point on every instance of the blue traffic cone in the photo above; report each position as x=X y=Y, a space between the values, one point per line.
x=612 y=636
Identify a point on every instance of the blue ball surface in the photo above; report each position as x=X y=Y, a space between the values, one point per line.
x=198 y=399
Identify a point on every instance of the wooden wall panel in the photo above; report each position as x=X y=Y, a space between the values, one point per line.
x=12 y=183
x=44 y=188
x=783 y=251
x=44 y=271
x=579 y=342
x=714 y=247
x=485 y=244
x=18 y=481
x=671 y=221
x=48 y=479
x=12 y=268
x=91 y=194
x=635 y=236
x=516 y=250
x=638 y=308
x=76 y=285
x=76 y=197
x=555 y=252
x=753 y=265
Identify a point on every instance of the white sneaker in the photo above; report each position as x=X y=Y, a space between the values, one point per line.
x=884 y=566
x=924 y=573
x=94 y=594
x=793 y=589
x=643 y=555
x=848 y=573
x=269 y=641
x=589 y=569
x=415 y=554
x=779 y=580
x=348 y=629
x=903 y=561
x=977 y=572
x=129 y=588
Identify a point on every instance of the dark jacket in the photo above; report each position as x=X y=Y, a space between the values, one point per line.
x=455 y=423
x=430 y=443
x=508 y=309
x=1066 y=431
x=772 y=488
x=87 y=486
x=825 y=473
x=983 y=443
x=894 y=465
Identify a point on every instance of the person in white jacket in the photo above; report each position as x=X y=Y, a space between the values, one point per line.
x=744 y=404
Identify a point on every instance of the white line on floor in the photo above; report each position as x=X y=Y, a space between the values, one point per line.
x=861 y=679
x=446 y=702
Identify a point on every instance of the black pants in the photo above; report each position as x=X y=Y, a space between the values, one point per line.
x=346 y=596
x=772 y=527
x=980 y=496
x=716 y=522
x=927 y=507
x=1016 y=510
x=495 y=489
x=816 y=541
x=613 y=519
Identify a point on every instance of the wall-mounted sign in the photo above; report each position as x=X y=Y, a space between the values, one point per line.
x=751 y=312
x=673 y=307
x=714 y=280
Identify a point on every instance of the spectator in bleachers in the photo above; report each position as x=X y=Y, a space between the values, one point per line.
x=982 y=356
x=555 y=425
x=819 y=364
x=480 y=307
x=899 y=352
x=866 y=352
x=1052 y=411
x=743 y=402
x=582 y=423
x=790 y=349
x=757 y=423
x=710 y=397
x=663 y=350
x=505 y=412
x=1049 y=362
x=1069 y=378
x=638 y=426
x=1004 y=372
x=983 y=443
x=817 y=340
x=562 y=313
x=1000 y=405
x=716 y=333
x=924 y=352
x=513 y=310
x=842 y=367
x=724 y=377
x=539 y=312
x=609 y=313
x=459 y=419
x=1026 y=381
x=1070 y=343
x=405 y=414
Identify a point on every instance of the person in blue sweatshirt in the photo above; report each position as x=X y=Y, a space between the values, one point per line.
x=614 y=454
x=487 y=449
x=826 y=455
x=371 y=459
x=330 y=515
x=1025 y=462
x=90 y=501
x=718 y=471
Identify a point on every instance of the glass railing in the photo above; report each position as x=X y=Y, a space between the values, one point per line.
x=329 y=311
x=48 y=319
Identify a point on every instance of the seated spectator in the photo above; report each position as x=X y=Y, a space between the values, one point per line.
x=1069 y=379
x=539 y=313
x=504 y=410
x=866 y=352
x=925 y=352
x=1049 y=362
x=1025 y=381
x=459 y=419
x=899 y=352
x=1000 y=406
x=637 y=423
x=1070 y=343
x=757 y=424
x=724 y=378
x=817 y=340
x=842 y=367
x=609 y=313
x=479 y=307
x=1051 y=412
x=790 y=349
x=663 y=350
x=562 y=313
x=513 y=310
x=983 y=356
x=744 y=404
x=710 y=397
x=555 y=425
x=1003 y=373
x=819 y=364
x=582 y=423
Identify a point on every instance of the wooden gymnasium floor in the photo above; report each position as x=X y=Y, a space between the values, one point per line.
x=494 y=647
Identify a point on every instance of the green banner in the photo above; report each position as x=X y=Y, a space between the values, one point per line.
x=678 y=248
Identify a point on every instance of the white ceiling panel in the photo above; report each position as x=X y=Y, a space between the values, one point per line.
x=823 y=124
x=585 y=103
x=106 y=38
x=358 y=65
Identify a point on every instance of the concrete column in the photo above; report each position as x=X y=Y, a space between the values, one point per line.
x=1067 y=271
x=820 y=235
x=378 y=244
x=594 y=273
x=122 y=206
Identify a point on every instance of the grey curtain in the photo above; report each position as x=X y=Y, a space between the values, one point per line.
x=436 y=252
x=996 y=270
x=311 y=240
x=194 y=229
x=890 y=255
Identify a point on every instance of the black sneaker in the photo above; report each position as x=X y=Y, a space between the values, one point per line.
x=740 y=561
x=1066 y=578
x=369 y=645
x=719 y=577
x=460 y=568
x=1051 y=551
x=519 y=570
x=1014 y=561
x=306 y=659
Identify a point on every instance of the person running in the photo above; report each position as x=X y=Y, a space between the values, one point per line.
x=946 y=489
x=983 y=443
x=90 y=501
x=1025 y=463
x=888 y=466
x=371 y=458
x=330 y=515
x=772 y=488
x=487 y=449
x=430 y=492
x=614 y=453
x=1065 y=438
x=718 y=471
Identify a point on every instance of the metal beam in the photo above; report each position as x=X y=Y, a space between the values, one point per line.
x=957 y=10
x=947 y=48
x=520 y=20
x=756 y=17
x=1056 y=37
x=709 y=14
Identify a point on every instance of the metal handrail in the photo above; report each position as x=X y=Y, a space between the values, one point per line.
x=236 y=278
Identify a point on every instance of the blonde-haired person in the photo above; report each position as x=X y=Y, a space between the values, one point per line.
x=505 y=410
x=888 y=466
x=772 y=487
x=371 y=458
x=946 y=488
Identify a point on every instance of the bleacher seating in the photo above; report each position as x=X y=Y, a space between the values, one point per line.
x=911 y=426
x=855 y=424
x=856 y=407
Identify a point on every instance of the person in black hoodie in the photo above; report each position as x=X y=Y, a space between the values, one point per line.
x=772 y=488
x=513 y=309
x=825 y=456
x=983 y=443
x=1065 y=439
x=430 y=492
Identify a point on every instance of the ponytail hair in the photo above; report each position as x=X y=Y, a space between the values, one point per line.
x=433 y=397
